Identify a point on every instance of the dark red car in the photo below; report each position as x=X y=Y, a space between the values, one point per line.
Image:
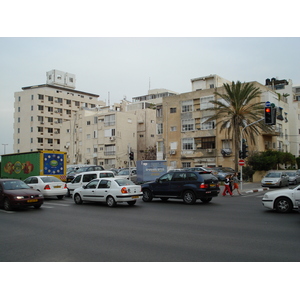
x=15 y=193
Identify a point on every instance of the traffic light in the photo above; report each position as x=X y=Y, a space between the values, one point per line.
x=244 y=151
x=270 y=115
x=131 y=155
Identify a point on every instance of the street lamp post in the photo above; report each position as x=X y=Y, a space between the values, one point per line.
x=242 y=146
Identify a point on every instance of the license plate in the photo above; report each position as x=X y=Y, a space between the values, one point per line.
x=33 y=200
x=212 y=185
x=57 y=186
x=134 y=197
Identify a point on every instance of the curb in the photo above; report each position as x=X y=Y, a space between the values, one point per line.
x=256 y=190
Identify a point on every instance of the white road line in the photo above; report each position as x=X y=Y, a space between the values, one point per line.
x=58 y=204
x=7 y=212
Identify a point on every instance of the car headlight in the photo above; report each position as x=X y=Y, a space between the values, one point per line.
x=19 y=197
x=265 y=196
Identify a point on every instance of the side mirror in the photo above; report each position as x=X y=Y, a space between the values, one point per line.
x=84 y=186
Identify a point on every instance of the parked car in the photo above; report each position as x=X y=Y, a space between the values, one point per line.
x=124 y=173
x=16 y=193
x=294 y=177
x=109 y=190
x=275 y=179
x=186 y=185
x=222 y=172
x=206 y=169
x=283 y=200
x=49 y=186
x=71 y=175
x=85 y=177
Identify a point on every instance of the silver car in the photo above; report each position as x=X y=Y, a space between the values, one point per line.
x=275 y=179
x=294 y=177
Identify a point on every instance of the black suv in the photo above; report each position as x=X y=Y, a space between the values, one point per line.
x=186 y=185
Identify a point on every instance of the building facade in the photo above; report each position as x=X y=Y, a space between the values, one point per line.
x=41 y=110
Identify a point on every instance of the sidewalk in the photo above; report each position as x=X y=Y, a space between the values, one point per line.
x=251 y=187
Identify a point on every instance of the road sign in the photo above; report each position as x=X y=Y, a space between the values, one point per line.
x=241 y=162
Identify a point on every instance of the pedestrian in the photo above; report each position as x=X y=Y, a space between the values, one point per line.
x=226 y=186
x=236 y=183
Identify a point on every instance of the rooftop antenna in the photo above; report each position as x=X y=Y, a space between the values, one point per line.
x=108 y=99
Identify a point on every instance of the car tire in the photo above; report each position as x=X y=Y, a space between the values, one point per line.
x=206 y=200
x=131 y=203
x=37 y=206
x=147 y=195
x=7 y=205
x=189 y=197
x=283 y=205
x=77 y=199
x=110 y=201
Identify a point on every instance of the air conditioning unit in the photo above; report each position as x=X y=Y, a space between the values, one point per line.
x=112 y=138
x=209 y=150
x=42 y=122
x=172 y=152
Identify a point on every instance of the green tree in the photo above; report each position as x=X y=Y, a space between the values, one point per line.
x=235 y=110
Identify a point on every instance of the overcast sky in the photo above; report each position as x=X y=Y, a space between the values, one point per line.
x=127 y=66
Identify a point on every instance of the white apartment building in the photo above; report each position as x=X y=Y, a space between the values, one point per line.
x=40 y=111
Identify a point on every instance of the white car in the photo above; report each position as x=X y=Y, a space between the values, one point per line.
x=109 y=190
x=85 y=177
x=283 y=200
x=275 y=179
x=49 y=186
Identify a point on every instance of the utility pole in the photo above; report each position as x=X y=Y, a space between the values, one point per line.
x=242 y=146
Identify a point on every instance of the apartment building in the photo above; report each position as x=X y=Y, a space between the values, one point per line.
x=40 y=111
x=185 y=139
x=100 y=136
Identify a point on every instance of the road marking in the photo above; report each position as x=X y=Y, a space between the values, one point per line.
x=58 y=204
x=7 y=212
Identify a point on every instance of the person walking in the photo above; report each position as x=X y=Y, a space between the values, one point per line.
x=236 y=183
x=226 y=186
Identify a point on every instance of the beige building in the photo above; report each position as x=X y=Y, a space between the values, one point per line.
x=185 y=139
x=40 y=111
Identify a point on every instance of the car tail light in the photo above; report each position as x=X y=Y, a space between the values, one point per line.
x=47 y=187
x=203 y=186
x=65 y=187
x=124 y=190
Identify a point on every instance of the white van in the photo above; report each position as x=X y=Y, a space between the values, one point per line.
x=85 y=177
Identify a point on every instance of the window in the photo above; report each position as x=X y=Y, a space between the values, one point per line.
x=50 y=109
x=207 y=125
x=205 y=102
x=208 y=142
x=188 y=144
x=40 y=107
x=50 y=130
x=68 y=111
x=187 y=125
x=159 y=112
x=41 y=97
x=40 y=118
x=59 y=100
x=109 y=120
x=59 y=110
x=50 y=98
x=40 y=129
x=95 y=134
x=187 y=106
x=110 y=150
x=88 y=123
x=68 y=102
x=40 y=140
x=50 y=141
x=159 y=128
x=50 y=120
x=173 y=110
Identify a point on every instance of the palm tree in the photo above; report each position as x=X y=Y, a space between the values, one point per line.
x=235 y=110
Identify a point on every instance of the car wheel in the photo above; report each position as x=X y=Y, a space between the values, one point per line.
x=7 y=205
x=60 y=197
x=147 y=195
x=189 y=197
x=206 y=200
x=283 y=205
x=77 y=199
x=110 y=201
x=131 y=203
x=37 y=206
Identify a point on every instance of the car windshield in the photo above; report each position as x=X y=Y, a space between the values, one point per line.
x=50 y=179
x=122 y=182
x=124 y=172
x=273 y=175
x=291 y=173
x=15 y=185
x=82 y=169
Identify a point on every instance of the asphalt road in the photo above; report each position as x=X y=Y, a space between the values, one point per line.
x=229 y=229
